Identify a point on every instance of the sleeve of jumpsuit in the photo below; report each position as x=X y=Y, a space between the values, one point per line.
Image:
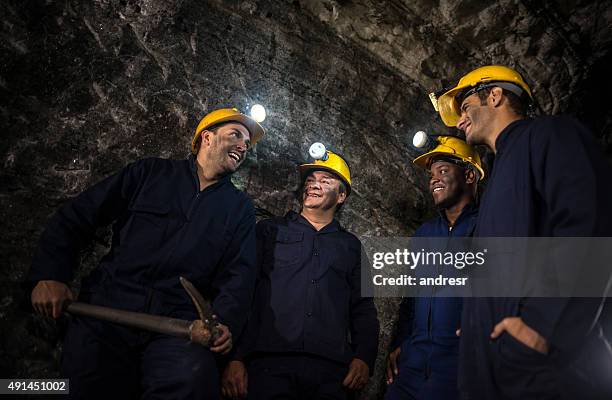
x=75 y=224
x=245 y=342
x=567 y=168
x=405 y=320
x=364 y=324
x=235 y=278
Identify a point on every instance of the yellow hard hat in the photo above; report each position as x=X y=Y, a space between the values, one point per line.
x=449 y=106
x=334 y=164
x=454 y=147
x=226 y=115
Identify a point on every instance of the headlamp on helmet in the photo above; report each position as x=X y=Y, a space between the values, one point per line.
x=423 y=142
x=318 y=152
x=258 y=113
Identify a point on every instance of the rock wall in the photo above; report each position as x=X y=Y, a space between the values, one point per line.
x=88 y=86
x=562 y=48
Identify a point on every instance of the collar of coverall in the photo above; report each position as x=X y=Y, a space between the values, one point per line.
x=504 y=136
x=467 y=210
x=333 y=226
x=194 y=171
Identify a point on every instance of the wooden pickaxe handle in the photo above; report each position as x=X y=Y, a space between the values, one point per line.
x=203 y=331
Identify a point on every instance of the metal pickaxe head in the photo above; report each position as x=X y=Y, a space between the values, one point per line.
x=208 y=330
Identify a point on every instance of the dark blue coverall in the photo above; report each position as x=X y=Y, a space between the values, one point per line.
x=549 y=179
x=307 y=302
x=427 y=330
x=163 y=227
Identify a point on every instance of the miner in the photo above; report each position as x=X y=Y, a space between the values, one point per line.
x=169 y=218
x=423 y=364
x=306 y=301
x=548 y=179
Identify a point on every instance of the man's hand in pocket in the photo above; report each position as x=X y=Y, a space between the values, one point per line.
x=521 y=332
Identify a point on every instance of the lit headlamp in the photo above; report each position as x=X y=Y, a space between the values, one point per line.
x=318 y=152
x=423 y=141
x=258 y=113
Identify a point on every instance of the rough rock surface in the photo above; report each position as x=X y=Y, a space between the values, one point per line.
x=88 y=86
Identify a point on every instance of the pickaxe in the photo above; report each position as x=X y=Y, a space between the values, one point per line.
x=203 y=331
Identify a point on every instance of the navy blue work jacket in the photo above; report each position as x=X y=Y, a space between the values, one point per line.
x=427 y=325
x=308 y=296
x=549 y=179
x=164 y=227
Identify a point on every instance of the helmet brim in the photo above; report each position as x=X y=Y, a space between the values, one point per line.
x=423 y=161
x=448 y=107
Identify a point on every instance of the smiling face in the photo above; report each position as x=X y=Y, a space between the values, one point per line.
x=322 y=190
x=447 y=184
x=476 y=119
x=224 y=148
